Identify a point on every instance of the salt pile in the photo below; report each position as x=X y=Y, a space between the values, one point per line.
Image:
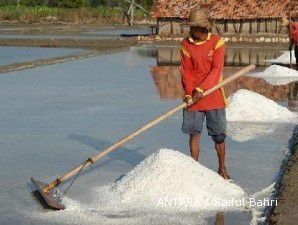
x=245 y=105
x=279 y=71
x=284 y=58
x=243 y=131
x=278 y=75
x=171 y=181
x=154 y=192
x=259 y=212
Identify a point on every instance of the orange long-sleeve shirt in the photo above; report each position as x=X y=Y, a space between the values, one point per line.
x=201 y=67
x=294 y=32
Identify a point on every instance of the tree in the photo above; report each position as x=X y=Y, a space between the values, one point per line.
x=145 y=3
x=71 y=3
x=94 y=3
x=32 y=2
x=53 y=3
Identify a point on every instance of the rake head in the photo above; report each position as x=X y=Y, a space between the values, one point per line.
x=50 y=198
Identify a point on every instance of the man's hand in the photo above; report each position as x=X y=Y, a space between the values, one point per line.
x=197 y=95
x=291 y=45
x=188 y=100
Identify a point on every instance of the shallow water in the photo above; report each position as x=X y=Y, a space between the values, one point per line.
x=9 y=55
x=116 y=31
x=54 y=117
x=31 y=36
x=100 y=33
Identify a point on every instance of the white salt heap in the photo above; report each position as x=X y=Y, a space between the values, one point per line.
x=165 y=183
x=278 y=75
x=243 y=131
x=171 y=181
x=249 y=106
x=284 y=58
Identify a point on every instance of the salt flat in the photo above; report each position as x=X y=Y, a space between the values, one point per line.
x=54 y=117
x=9 y=55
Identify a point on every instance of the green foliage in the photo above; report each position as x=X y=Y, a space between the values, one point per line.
x=76 y=3
x=53 y=3
x=71 y=3
x=94 y=3
x=8 y=2
x=32 y=2
x=97 y=3
x=145 y=3
x=24 y=13
x=111 y=3
x=95 y=15
x=10 y=12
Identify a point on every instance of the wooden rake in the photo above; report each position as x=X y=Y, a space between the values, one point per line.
x=47 y=191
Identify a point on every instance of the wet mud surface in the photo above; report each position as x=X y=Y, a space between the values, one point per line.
x=287 y=207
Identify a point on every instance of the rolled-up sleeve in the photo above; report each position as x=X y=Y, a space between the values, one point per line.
x=186 y=68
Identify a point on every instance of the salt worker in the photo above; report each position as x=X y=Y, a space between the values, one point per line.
x=202 y=61
x=294 y=39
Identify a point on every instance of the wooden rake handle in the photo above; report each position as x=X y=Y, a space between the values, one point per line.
x=135 y=133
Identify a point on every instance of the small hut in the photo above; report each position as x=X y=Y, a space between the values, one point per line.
x=247 y=17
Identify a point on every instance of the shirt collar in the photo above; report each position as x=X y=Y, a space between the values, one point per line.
x=200 y=42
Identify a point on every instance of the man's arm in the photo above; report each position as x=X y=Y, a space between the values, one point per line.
x=186 y=70
x=291 y=45
x=291 y=37
x=217 y=66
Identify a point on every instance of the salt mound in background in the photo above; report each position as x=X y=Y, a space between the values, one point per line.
x=245 y=105
x=278 y=75
x=243 y=131
x=284 y=58
x=169 y=175
x=279 y=71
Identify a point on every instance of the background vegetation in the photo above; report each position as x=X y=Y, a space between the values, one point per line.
x=77 y=11
x=74 y=3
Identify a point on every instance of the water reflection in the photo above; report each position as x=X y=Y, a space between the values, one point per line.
x=235 y=56
x=167 y=78
x=293 y=97
x=220 y=219
x=247 y=56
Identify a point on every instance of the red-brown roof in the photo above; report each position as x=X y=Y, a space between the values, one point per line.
x=225 y=9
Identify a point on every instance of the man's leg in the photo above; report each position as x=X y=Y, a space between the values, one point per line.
x=221 y=154
x=193 y=125
x=216 y=126
x=194 y=142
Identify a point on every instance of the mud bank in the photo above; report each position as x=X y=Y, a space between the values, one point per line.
x=96 y=48
x=286 y=210
x=51 y=61
x=256 y=39
x=70 y=43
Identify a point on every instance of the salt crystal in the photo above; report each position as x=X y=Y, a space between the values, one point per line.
x=284 y=58
x=245 y=105
x=169 y=180
x=278 y=75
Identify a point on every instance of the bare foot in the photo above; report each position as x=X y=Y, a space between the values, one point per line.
x=223 y=172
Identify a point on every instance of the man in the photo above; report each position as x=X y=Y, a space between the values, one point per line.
x=202 y=61
x=294 y=39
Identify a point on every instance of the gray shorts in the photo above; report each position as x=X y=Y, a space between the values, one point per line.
x=215 y=121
